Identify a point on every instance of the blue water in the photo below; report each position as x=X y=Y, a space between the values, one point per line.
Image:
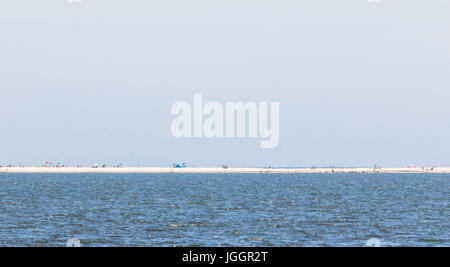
x=224 y=209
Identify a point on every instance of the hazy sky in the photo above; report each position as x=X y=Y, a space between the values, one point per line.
x=358 y=83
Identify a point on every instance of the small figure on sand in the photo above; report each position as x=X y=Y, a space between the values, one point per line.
x=179 y=166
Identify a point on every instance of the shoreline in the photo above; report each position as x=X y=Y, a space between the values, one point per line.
x=144 y=170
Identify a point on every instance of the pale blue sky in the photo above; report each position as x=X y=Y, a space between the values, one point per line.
x=358 y=83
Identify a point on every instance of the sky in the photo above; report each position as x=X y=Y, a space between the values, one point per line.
x=358 y=83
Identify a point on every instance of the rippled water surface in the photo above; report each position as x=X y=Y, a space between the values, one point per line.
x=224 y=209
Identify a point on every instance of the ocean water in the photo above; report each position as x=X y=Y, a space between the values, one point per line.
x=224 y=209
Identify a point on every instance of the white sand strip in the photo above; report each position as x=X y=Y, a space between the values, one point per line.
x=215 y=170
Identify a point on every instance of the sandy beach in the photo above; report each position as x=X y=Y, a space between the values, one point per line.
x=216 y=170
